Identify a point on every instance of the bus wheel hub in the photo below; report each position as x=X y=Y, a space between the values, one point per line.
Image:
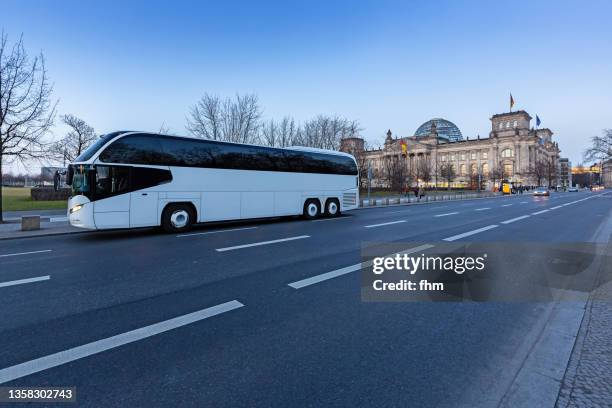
x=179 y=218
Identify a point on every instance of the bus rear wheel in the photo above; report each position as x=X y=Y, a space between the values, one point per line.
x=332 y=207
x=312 y=209
x=177 y=218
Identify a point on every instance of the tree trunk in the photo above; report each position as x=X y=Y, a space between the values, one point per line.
x=1 y=218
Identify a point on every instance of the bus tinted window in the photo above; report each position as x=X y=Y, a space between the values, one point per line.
x=134 y=150
x=143 y=177
x=89 y=152
x=185 y=152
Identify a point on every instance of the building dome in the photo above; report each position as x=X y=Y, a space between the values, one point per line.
x=446 y=129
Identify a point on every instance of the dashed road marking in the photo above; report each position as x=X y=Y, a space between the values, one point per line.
x=447 y=214
x=510 y=221
x=89 y=349
x=214 y=232
x=469 y=233
x=254 y=244
x=23 y=281
x=353 y=268
x=540 y=212
x=482 y=209
x=26 y=253
x=384 y=223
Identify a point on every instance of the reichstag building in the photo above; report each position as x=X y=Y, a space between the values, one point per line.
x=513 y=151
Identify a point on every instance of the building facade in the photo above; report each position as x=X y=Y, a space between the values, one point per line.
x=565 y=173
x=513 y=151
x=606 y=174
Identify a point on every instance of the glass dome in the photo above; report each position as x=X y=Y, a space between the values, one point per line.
x=447 y=130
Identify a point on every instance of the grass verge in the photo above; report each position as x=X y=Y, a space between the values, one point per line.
x=18 y=199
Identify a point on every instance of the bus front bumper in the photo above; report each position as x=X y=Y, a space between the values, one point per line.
x=80 y=212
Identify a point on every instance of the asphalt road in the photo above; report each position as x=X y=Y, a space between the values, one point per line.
x=139 y=318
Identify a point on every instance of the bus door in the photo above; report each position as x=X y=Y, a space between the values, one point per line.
x=112 y=196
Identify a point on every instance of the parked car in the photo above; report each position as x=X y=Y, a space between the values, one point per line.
x=572 y=190
x=541 y=191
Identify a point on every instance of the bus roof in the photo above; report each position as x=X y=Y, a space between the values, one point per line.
x=295 y=148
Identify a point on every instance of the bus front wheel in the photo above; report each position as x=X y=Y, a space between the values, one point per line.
x=312 y=209
x=177 y=218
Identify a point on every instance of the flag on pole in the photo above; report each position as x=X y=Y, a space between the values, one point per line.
x=538 y=121
x=511 y=102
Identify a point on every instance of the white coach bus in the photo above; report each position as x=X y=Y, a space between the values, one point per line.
x=136 y=179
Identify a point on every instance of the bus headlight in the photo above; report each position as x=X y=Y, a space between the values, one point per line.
x=76 y=208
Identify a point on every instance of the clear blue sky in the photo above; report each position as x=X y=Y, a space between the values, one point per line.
x=387 y=64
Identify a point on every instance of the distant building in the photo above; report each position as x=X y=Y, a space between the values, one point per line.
x=513 y=151
x=606 y=173
x=47 y=173
x=565 y=172
x=586 y=176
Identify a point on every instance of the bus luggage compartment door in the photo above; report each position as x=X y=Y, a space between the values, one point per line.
x=143 y=209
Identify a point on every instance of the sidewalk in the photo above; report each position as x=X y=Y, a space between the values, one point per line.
x=588 y=378
x=12 y=230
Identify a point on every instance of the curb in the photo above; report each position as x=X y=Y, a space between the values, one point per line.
x=46 y=235
x=426 y=202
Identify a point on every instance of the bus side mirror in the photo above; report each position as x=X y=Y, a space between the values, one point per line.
x=70 y=175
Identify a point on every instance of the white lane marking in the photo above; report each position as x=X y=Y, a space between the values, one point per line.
x=540 y=212
x=58 y=219
x=510 y=221
x=558 y=206
x=523 y=202
x=506 y=205
x=444 y=215
x=26 y=253
x=214 y=232
x=482 y=209
x=384 y=223
x=348 y=269
x=96 y=347
x=275 y=241
x=395 y=212
x=331 y=219
x=473 y=232
x=22 y=281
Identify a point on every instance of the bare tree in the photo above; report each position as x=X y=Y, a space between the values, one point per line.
x=287 y=132
x=234 y=120
x=270 y=134
x=78 y=138
x=26 y=110
x=396 y=172
x=550 y=169
x=496 y=173
x=204 y=119
x=362 y=165
x=164 y=129
x=601 y=147
x=539 y=171
x=325 y=132
x=425 y=169
x=447 y=173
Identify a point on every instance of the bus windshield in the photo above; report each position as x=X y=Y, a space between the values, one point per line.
x=80 y=180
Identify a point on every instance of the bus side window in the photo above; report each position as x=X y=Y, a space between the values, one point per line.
x=112 y=180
